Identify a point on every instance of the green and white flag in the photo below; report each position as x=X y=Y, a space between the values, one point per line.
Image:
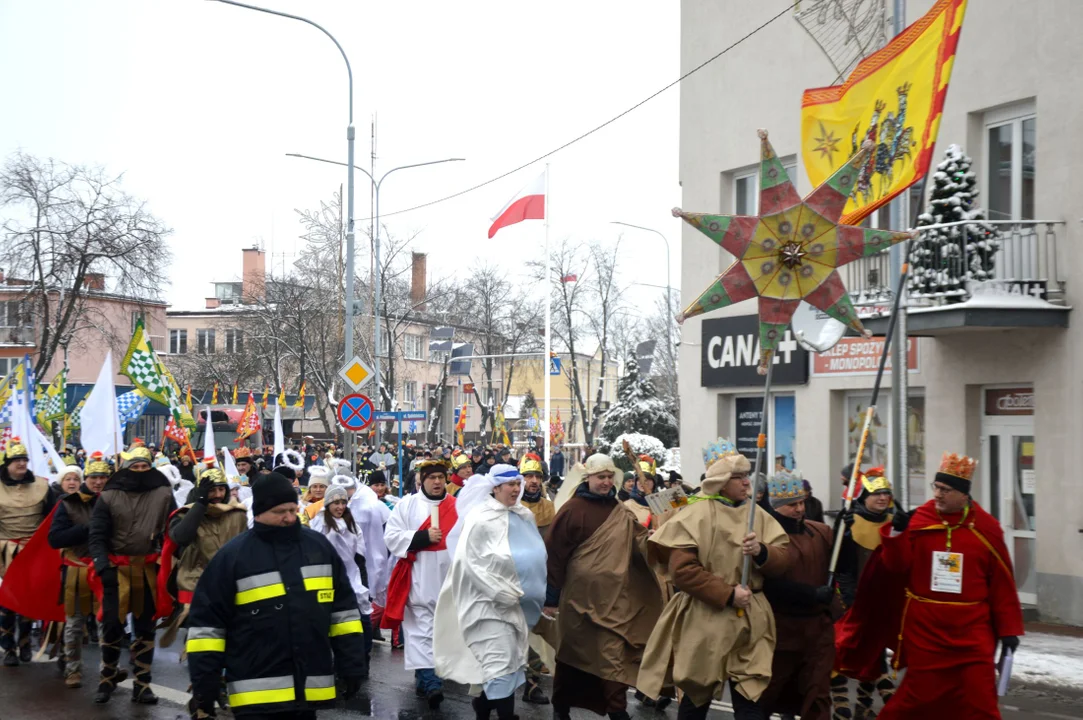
x=145 y=369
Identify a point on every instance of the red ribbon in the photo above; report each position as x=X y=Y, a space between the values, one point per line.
x=398 y=587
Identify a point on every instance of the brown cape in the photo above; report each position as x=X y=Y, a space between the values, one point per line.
x=696 y=645
x=610 y=602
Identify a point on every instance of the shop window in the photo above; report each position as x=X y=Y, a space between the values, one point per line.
x=878 y=445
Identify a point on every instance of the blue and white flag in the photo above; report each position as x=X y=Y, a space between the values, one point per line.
x=130 y=407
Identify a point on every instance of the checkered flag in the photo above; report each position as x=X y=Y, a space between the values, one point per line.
x=143 y=367
x=130 y=407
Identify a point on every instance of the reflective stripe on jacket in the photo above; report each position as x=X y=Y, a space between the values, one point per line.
x=274 y=608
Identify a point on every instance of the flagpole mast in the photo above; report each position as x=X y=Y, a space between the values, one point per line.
x=548 y=323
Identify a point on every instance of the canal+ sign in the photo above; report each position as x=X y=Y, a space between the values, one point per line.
x=731 y=352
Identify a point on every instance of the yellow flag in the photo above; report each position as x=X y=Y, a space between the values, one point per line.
x=282 y=398
x=214 y=394
x=894 y=99
x=300 y=396
x=233 y=401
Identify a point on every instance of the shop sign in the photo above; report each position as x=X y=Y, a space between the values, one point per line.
x=749 y=411
x=1009 y=401
x=731 y=353
x=860 y=356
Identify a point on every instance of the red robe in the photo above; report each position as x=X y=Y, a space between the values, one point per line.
x=949 y=639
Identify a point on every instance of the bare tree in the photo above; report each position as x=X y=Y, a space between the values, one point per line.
x=607 y=295
x=71 y=231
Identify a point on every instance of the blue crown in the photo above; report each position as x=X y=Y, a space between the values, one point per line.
x=786 y=486
x=717 y=450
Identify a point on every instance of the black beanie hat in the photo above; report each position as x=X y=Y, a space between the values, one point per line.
x=285 y=471
x=271 y=490
x=377 y=477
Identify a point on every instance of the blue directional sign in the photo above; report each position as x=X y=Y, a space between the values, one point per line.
x=355 y=412
x=403 y=415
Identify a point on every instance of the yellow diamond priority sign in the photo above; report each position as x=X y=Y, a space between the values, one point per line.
x=356 y=373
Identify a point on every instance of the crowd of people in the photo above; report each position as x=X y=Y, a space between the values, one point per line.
x=494 y=567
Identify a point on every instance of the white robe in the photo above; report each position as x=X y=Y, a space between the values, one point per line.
x=347 y=544
x=371 y=516
x=481 y=630
x=428 y=574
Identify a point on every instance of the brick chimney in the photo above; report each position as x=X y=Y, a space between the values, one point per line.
x=253 y=275
x=94 y=281
x=213 y=302
x=417 y=281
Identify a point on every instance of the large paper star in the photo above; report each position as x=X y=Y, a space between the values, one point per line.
x=791 y=251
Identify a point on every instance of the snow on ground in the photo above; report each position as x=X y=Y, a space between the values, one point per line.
x=1055 y=660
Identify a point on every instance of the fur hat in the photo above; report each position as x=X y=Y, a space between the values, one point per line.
x=319 y=475
x=720 y=471
x=599 y=463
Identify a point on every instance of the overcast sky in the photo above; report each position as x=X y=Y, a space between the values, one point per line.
x=197 y=102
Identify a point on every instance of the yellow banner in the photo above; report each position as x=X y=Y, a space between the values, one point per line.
x=894 y=99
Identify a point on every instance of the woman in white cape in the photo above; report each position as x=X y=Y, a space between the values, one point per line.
x=494 y=592
x=337 y=524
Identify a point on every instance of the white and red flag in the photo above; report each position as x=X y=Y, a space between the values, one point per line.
x=528 y=204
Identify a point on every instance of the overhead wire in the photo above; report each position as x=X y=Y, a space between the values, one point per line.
x=608 y=122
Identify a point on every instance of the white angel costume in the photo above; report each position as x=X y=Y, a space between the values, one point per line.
x=371 y=516
x=347 y=544
x=494 y=593
x=427 y=575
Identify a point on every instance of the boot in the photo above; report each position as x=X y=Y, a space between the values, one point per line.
x=644 y=700
x=24 y=652
x=886 y=687
x=74 y=680
x=11 y=659
x=863 y=707
x=142 y=651
x=108 y=683
x=840 y=698
x=434 y=698
x=482 y=708
x=532 y=693
x=562 y=713
x=143 y=695
x=620 y=715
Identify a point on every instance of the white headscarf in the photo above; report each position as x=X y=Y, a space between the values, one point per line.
x=476 y=490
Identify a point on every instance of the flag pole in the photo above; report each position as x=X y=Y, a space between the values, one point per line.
x=548 y=324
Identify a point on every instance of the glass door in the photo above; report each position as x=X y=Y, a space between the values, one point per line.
x=1012 y=486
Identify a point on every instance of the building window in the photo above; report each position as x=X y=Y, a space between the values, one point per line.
x=1010 y=147
x=137 y=316
x=385 y=344
x=178 y=342
x=781 y=438
x=6 y=364
x=746 y=188
x=234 y=342
x=409 y=392
x=228 y=293
x=205 y=339
x=878 y=446
x=14 y=314
x=412 y=347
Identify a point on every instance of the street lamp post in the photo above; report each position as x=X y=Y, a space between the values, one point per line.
x=377 y=184
x=669 y=284
x=348 y=301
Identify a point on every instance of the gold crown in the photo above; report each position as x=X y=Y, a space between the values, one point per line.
x=959 y=466
x=138 y=453
x=460 y=460
x=647 y=464
x=874 y=481
x=242 y=453
x=217 y=476
x=15 y=450
x=530 y=463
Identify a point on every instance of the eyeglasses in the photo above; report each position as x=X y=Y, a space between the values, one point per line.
x=941 y=489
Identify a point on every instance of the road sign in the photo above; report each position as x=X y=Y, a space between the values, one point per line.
x=356 y=373
x=404 y=415
x=355 y=412
x=554 y=365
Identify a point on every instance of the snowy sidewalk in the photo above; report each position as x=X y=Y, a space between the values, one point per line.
x=1053 y=660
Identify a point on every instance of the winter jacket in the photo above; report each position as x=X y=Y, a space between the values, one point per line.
x=130 y=516
x=275 y=609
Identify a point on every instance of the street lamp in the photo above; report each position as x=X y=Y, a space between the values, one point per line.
x=376 y=240
x=669 y=299
x=348 y=300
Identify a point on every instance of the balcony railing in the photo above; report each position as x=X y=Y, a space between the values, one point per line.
x=1026 y=262
x=21 y=335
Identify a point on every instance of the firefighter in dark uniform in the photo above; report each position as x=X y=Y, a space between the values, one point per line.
x=275 y=610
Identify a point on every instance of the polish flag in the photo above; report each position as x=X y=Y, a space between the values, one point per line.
x=528 y=204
